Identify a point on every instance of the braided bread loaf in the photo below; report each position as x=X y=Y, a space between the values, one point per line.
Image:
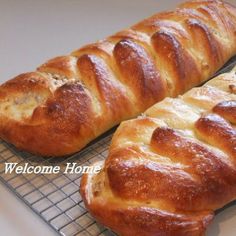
x=170 y=169
x=72 y=99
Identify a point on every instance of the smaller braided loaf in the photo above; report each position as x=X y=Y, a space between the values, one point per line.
x=170 y=169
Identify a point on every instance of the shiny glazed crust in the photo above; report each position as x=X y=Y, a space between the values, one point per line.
x=70 y=100
x=171 y=168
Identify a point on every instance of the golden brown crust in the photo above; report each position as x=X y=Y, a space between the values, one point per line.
x=227 y=110
x=146 y=221
x=139 y=73
x=169 y=170
x=62 y=113
x=218 y=132
x=116 y=78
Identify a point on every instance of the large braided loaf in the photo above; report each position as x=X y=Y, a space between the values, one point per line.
x=170 y=169
x=72 y=99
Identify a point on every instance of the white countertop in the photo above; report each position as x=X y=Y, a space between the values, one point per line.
x=33 y=31
x=16 y=219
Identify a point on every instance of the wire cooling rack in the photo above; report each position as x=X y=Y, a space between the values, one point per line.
x=55 y=198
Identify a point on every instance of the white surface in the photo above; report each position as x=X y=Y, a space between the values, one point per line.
x=18 y=220
x=33 y=31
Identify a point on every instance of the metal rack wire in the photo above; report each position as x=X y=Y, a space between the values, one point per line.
x=55 y=197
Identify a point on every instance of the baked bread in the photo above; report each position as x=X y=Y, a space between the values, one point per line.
x=171 y=168
x=70 y=100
